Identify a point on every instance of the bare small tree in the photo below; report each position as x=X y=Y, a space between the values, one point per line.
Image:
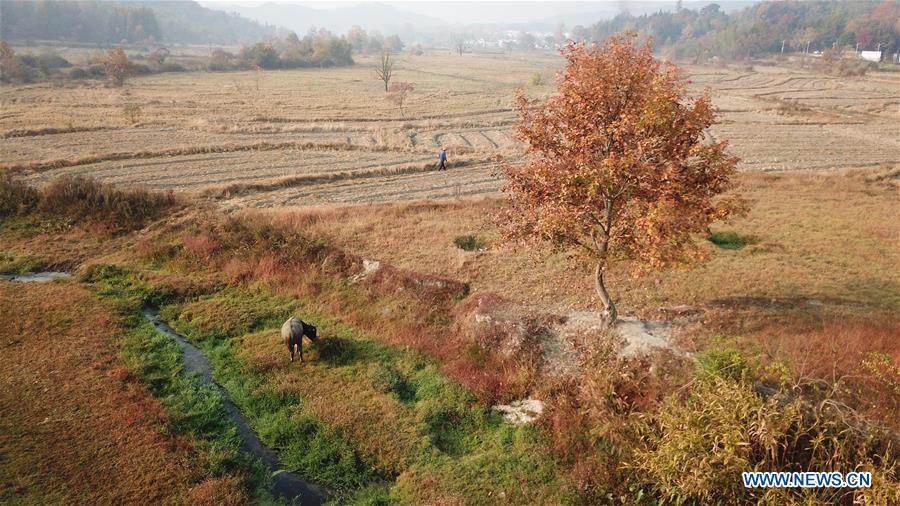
x=460 y=46
x=385 y=70
x=398 y=93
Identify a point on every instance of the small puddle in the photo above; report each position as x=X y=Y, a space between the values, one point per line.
x=285 y=484
x=35 y=277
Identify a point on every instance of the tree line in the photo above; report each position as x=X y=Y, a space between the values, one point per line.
x=91 y=21
x=764 y=28
x=318 y=48
x=77 y=21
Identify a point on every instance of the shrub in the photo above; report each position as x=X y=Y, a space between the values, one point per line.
x=78 y=73
x=96 y=70
x=50 y=60
x=695 y=449
x=536 y=79
x=172 y=67
x=701 y=446
x=16 y=197
x=261 y=54
x=83 y=198
x=140 y=69
x=10 y=64
x=221 y=60
x=852 y=68
x=470 y=242
x=132 y=112
x=724 y=364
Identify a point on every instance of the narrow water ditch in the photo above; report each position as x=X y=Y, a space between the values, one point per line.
x=285 y=484
x=35 y=277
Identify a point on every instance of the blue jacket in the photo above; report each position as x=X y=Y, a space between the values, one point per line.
x=443 y=157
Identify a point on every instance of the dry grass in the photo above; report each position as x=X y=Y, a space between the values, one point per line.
x=827 y=237
x=77 y=427
x=78 y=198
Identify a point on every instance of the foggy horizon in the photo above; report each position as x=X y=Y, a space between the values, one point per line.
x=504 y=13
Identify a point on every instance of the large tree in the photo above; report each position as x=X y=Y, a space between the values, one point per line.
x=619 y=162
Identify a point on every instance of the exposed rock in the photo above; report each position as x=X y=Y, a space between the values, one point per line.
x=496 y=324
x=557 y=343
x=641 y=336
x=521 y=412
x=369 y=267
x=576 y=330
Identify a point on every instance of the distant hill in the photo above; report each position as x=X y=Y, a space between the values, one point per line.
x=98 y=22
x=762 y=28
x=299 y=18
x=633 y=8
x=190 y=22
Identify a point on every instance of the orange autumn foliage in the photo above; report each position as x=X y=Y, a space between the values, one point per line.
x=118 y=67
x=619 y=162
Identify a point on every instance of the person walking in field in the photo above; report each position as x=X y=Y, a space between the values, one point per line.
x=442 y=159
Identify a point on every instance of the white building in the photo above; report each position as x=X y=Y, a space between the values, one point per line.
x=870 y=55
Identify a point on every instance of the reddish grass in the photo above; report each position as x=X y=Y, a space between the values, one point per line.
x=76 y=427
x=201 y=247
x=834 y=353
x=83 y=198
x=830 y=350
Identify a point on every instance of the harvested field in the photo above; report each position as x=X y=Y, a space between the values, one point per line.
x=213 y=169
x=331 y=132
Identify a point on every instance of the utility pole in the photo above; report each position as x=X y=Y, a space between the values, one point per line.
x=782 y=47
x=807 y=47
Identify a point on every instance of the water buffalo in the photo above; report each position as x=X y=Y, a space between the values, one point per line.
x=293 y=331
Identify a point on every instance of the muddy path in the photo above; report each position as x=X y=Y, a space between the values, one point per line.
x=285 y=484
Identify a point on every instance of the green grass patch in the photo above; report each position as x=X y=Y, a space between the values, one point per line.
x=126 y=288
x=470 y=242
x=365 y=418
x=305 y=445
x=731 y=240
x=196 y=410
x=398 y=416
x=12 y=264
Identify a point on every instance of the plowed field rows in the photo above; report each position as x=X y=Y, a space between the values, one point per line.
x=199 y=130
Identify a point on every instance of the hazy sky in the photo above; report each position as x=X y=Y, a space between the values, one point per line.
x=468 y=12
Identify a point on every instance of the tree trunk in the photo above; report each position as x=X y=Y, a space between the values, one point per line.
x=608 y=305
